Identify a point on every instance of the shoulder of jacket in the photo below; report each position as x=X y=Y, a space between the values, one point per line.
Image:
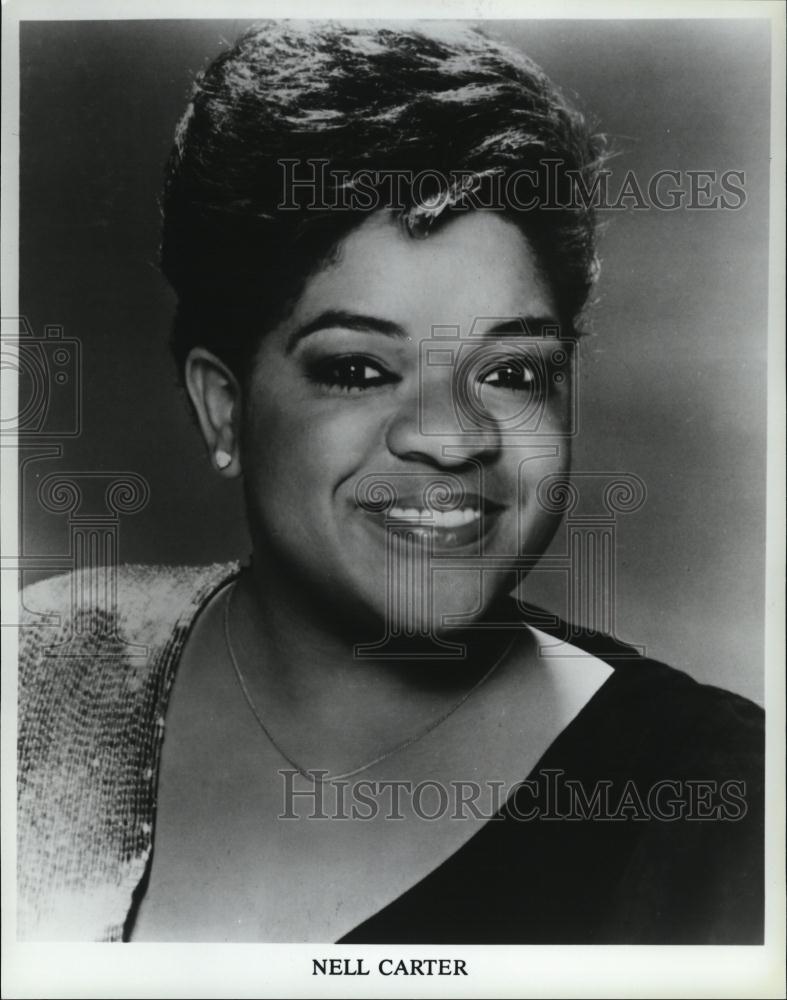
x=134 y=585
x=136 y=603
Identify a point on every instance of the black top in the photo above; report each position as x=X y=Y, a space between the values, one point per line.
x=656 y=835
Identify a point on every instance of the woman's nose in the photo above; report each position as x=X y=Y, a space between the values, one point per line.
x=434 y=426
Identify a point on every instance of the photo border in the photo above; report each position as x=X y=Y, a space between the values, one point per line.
x=264 y=970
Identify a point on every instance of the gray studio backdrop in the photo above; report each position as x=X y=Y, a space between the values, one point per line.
x=672 y=377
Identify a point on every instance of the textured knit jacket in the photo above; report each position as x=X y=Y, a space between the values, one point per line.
x=93 y=691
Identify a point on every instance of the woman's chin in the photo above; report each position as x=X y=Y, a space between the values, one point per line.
x=434 y=610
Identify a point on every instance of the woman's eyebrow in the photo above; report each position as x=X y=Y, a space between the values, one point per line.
x=524 y=326
x=521 y=326
x=348 y=321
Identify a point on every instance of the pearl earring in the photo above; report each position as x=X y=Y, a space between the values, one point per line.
x=222 y=458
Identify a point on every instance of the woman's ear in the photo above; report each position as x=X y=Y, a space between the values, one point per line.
x=216 y=396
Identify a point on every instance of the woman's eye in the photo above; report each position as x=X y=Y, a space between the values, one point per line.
x=351 y=373
x=514 y=375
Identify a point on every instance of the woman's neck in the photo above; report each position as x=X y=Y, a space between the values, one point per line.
x=330 y=706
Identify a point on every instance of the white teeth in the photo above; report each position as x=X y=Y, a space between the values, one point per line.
x=438 y=518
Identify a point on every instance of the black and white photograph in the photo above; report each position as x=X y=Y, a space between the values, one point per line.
x=393 y=499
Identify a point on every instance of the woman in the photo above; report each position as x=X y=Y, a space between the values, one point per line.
x=381 y=243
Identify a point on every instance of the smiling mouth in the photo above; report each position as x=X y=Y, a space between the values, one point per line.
x=434 y=518
x=468 y=519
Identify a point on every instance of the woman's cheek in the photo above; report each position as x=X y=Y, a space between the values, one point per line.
x=339 y=437
x=312 y=449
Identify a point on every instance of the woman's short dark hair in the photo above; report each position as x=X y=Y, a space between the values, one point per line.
x=349 y=107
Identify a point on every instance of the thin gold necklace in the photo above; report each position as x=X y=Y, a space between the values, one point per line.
x=317 y=776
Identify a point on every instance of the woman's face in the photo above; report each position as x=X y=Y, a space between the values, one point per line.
x=399 y=421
